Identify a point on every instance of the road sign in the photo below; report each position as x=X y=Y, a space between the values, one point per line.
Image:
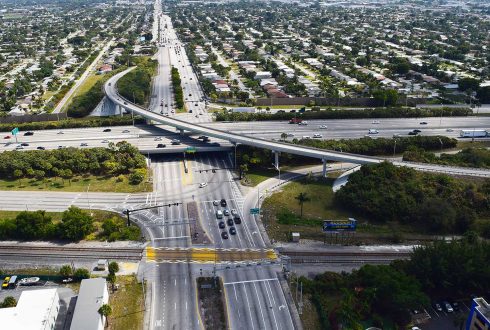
x=339 y=225
x=190 y=150
x=255 y=211
x=15 y=131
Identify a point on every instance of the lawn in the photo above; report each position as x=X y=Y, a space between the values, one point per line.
x=79 y=183
x=127 y=304
x=256 y=176
x=85 y=86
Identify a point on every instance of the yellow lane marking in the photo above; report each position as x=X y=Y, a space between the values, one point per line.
x=205 y=255
x=187 y=178
x=150 y=253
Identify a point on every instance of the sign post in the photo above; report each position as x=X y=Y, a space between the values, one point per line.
x=14 y=132
x=255 y=210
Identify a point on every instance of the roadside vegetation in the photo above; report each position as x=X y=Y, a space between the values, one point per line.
x=177 y=88
x=127 y=304
x=73 y=224
x=73 y=123
x=121 y=163
x=431 y=203
x=468 y=157
x=344 y=114
x=383 y=295
x=135 y=86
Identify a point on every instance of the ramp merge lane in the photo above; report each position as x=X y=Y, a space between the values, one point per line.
x=324 y=155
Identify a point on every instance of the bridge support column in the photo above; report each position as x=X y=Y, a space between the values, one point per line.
x=276 y=158
x=324 y=171
x=181 y=132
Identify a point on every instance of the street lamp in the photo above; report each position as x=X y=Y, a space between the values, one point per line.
x=278 y=168
x=440 y=141
x=88 y=201
x=394 y=148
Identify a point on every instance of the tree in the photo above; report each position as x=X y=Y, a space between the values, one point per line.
x=81 y=273
x=113 y=267
x=66 y=271
x=104 y=311
x=112 y=279
x=284 y=136
x=9 y=301
x=75 y=224
x=465 y=84
x=136 y=178
x=302 y=198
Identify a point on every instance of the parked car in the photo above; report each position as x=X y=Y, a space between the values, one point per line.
x=447 y=307
x=438 y=307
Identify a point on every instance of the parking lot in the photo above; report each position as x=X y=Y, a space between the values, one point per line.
x=442 y=320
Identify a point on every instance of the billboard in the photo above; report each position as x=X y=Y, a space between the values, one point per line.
x=339 y=225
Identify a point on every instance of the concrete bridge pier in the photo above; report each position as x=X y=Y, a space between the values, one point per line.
x=276 y=159
x=324 y=171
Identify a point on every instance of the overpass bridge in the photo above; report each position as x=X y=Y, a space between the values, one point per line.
x=276 y=147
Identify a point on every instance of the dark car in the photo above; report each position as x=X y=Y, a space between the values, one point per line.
x=412 y=133
x=24 y=144
x=416 y=131
x=107 y=130
x=126 y=103
x=237 y=220
x=41 y=148
x=230 y=222
x=232 y=231
x=161 y=145
x=223 y=202
x=224 y=235
x=202 y=137
x=29 y=133
x=455 y=306
x=423 y=123
x=438 y=307
x=221 y=225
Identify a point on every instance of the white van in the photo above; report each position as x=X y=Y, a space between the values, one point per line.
x=219 y=214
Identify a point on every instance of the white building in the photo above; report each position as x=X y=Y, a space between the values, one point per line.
x=93 y=294
x=35 y=310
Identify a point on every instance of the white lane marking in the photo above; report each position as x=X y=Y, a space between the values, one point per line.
x=249 y=308
x=252 y=281
x=286 y=309
x=270 y=302
x=173 y=237
x=260 y=305
x=236 y=299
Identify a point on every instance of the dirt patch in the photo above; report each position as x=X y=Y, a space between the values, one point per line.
x=212 y=306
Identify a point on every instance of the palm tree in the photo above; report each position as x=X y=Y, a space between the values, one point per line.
x=284 y=136
x=105 y=310
x=302 y=198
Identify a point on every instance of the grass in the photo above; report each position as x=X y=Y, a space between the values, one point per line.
x=127 y=304
x=76 y=184
x=256 y=176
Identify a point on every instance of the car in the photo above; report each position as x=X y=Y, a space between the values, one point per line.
x=449 y=130
x=175 y=142
x=60 y=132
x=161 y=104
x=304 y=122
x=447 y=307
x=28 y=133
x=158 y=138
x=190 y=94
x=105 y=141
x=423 y=123
x=5 y=283
x=215 y=203
x=230 y=222
x=322 y=127
x=438 y=307
x=161 y=145
x=317 y=136
x=125 y=103
x=223 y=202
x=203 y=184
x=61 y=147
x=7 y=137
x=196 y=104
x=221 y=225
x=306 y=137
x=41 y=148
x=202 y=137
x=417 y=131
x=373 y=131
x=24 y=144
x=190 y=78
x=375 y=122
x=166 y=104
x=107 y=130
x=234 y=212
x=232 y=230
x=226 y=212
x=455 y=306
x=224 y=235
x=412 y=133
x=19 y=147
x=290 y=134
x=126 y=131
x=237 y=219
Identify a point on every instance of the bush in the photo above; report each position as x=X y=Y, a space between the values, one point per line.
x=136 y=178
x=75 y=224
x=81 y=273
x=66 y=271
x=8 y=302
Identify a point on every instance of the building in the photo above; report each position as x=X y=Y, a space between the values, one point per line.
x=93 y=294
x=479 y=317
x=35 y=310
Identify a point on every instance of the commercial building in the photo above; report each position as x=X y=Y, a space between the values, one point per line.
x=479 y=318
x=93 y=294
x=35 y=310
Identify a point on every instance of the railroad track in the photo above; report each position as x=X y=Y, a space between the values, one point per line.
x=344 y=257
x=70 y=252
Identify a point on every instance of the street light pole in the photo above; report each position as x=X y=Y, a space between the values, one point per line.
x=88 y=201
x=394 y=148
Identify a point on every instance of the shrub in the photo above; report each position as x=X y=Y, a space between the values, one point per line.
x=81 y=273
x=136 y=178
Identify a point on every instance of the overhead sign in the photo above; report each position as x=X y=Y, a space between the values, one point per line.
x=340 y=225
x=190 y=150
x=15 y=131
x=255 y=211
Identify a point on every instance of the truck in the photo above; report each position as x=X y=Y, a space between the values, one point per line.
x=473 y=133
x=295 y=120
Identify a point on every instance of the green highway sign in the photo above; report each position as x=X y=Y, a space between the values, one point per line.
x=190 y=150
x=255 y=211
x=15 y=131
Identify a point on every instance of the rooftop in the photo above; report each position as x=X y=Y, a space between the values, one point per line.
x=93 y=294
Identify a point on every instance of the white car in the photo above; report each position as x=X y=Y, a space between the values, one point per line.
x=306 y=137
x=375 y=121
x=215 y=202
x=290 y=134
x=105 y=141
x=317 y=136
x=322 y=127
x=449 y=130
x=303 y=123
x=158 y=138
x=203 y=184
x=373 y=131
x=126 y=131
